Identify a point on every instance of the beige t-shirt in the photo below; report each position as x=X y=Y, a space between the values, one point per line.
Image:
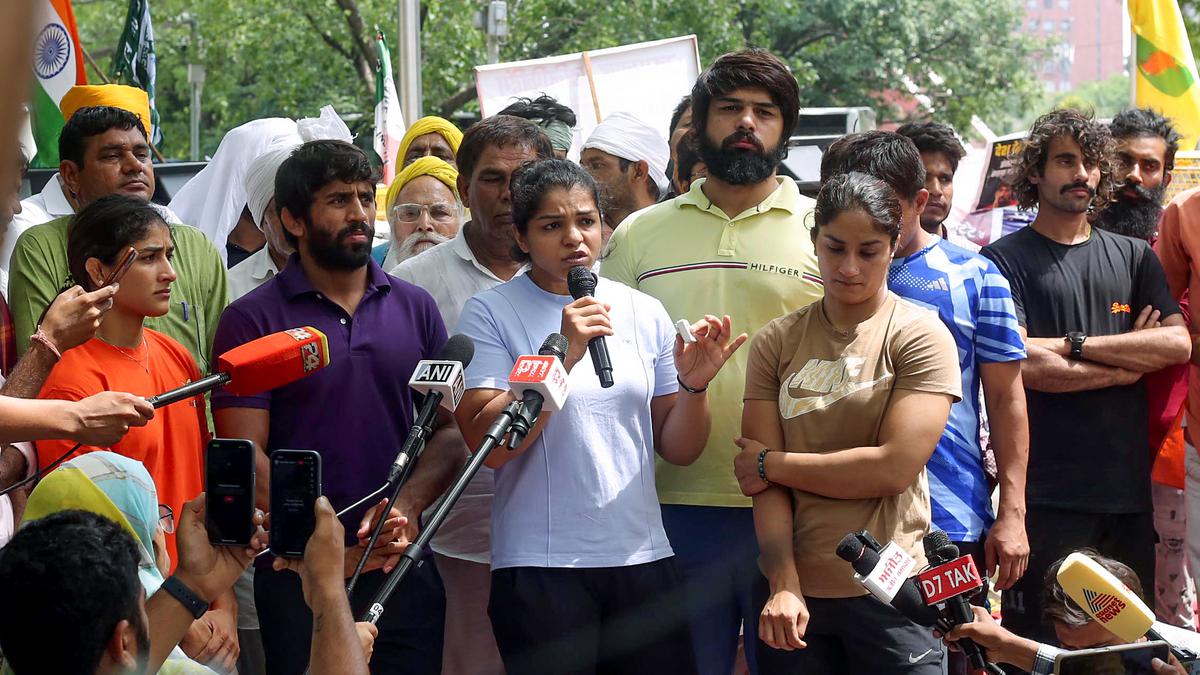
x=833 y=390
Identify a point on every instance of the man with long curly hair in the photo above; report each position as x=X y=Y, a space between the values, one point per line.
x=1096 y=313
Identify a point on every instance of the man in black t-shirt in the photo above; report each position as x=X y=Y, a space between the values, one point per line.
x=1097 y=314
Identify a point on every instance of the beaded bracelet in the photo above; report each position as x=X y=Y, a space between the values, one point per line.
x=762 y=465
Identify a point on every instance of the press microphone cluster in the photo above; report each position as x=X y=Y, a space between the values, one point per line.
x=885 y=573
x=581 y=282
x=259 y=365
x=948 y=584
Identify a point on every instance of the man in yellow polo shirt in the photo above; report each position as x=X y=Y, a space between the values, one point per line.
x=737 y=243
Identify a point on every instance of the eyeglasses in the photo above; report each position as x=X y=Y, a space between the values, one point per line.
x=439 y=211
x=166 y=518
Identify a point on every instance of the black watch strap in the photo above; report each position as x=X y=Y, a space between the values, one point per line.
x=1076 y=339
x=186 y=596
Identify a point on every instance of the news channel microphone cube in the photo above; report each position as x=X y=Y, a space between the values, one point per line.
x=1104 y=597
x=542 y=373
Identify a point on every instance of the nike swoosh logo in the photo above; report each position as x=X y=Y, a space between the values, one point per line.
x=914 y=659
x=790 y=406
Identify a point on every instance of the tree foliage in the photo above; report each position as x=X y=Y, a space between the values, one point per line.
x=283 y=58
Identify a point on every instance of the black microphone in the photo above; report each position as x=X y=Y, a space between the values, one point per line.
x=532 y=398
x=855 y=549
x=581 y=281
x=441 y=381
x=939 y=550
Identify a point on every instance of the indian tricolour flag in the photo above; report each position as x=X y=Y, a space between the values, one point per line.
x=58 y=65
x=389 y=120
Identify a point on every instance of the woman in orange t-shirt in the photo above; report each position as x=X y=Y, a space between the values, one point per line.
x=125 y=356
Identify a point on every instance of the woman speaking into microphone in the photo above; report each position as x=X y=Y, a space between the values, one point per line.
x=583 y=578
x=845 y=400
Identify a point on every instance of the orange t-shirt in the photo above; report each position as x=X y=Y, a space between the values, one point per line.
x=172 y=444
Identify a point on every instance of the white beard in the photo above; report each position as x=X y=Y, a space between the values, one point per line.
x=416 y=243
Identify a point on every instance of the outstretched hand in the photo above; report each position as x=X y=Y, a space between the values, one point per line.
x=698 y=363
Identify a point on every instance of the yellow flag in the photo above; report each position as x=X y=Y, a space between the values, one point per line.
x=1167 y=80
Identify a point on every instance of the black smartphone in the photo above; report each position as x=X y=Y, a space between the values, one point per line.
x=122 y=267
x=295 y=486
x=1130 y=659
x=229 y=484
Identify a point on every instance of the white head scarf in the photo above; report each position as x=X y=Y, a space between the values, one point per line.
x=260 y=174
x=625 y=136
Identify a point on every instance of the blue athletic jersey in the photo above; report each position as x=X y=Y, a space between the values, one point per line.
x=973 y=299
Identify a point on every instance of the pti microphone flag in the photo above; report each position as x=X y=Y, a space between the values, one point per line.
x=581 y=281
x=259 y=365
x=947 y=584
x=442 y=383
x=538 y=382
x=885 y=572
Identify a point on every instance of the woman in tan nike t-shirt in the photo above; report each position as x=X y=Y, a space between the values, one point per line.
x=850 y=395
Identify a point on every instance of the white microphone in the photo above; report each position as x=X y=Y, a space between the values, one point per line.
x=539 y=382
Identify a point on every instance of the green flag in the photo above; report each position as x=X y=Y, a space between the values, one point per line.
x=134 y=61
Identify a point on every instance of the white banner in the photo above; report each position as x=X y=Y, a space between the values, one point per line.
x=646 y=79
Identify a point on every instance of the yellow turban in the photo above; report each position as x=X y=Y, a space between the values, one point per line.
x=431 y=125
x=116 y=95
x=425 y=166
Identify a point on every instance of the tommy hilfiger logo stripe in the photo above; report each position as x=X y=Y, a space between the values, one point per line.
x=729 y=265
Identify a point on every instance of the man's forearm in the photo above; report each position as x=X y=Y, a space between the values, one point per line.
x=1010 y=440
x=13 y=466
x=1143 y=351
x=773 y=527
x=1049 y=372
x=168 y=623
x=854 y=473
x=30 y=373
x=335 y=645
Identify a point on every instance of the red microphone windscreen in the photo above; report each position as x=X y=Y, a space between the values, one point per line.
x=274 y=360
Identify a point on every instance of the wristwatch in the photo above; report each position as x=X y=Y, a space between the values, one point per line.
x=186 y=596
x=1075 y=339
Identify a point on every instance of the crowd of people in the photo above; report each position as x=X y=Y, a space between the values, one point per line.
x=844 y=367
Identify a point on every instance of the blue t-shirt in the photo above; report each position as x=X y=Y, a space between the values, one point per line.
x=583 y=494
x=973 y=299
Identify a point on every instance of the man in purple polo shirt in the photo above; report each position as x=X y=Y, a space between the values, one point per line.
x=357 y=411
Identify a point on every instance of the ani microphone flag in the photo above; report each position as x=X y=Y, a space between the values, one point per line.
x=389 y=120
x=58 y=66
x=1166 y=69
x=134 y=61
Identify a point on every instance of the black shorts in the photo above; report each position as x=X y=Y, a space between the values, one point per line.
x=583 y=621
x=854 y=636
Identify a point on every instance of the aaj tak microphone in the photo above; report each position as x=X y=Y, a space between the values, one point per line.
x=442 y=383
x=538 y=382
x=947 y=584
x=1110 y=603
x=581 y=281
x=885 y=573
x=259 y=365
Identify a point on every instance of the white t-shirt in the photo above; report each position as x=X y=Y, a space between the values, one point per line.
x=583 y=494
x=451 y=274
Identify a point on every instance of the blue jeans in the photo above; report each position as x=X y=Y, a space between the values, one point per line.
x=717 y=554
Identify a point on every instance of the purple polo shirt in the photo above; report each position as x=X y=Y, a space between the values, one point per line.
x=357 y=411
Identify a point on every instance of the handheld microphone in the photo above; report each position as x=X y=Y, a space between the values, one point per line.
x=259 y=365
x=947 y=583
x=441 y=381
x=538 y=381
x=885 y=573
x=581 y=281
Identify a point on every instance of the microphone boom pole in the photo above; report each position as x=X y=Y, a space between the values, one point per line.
x=413 y=554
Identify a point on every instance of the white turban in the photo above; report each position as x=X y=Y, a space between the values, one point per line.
x=214 y=198
x=625 y=136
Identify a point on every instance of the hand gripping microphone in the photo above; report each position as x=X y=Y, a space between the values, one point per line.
x=948 y=582
x=1109 y=602
x=538 y=382
x=259 y=365
x=885 y=573
x=581 y=281
x=442 y=383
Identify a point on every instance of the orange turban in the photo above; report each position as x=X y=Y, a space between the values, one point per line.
x=120 y=96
